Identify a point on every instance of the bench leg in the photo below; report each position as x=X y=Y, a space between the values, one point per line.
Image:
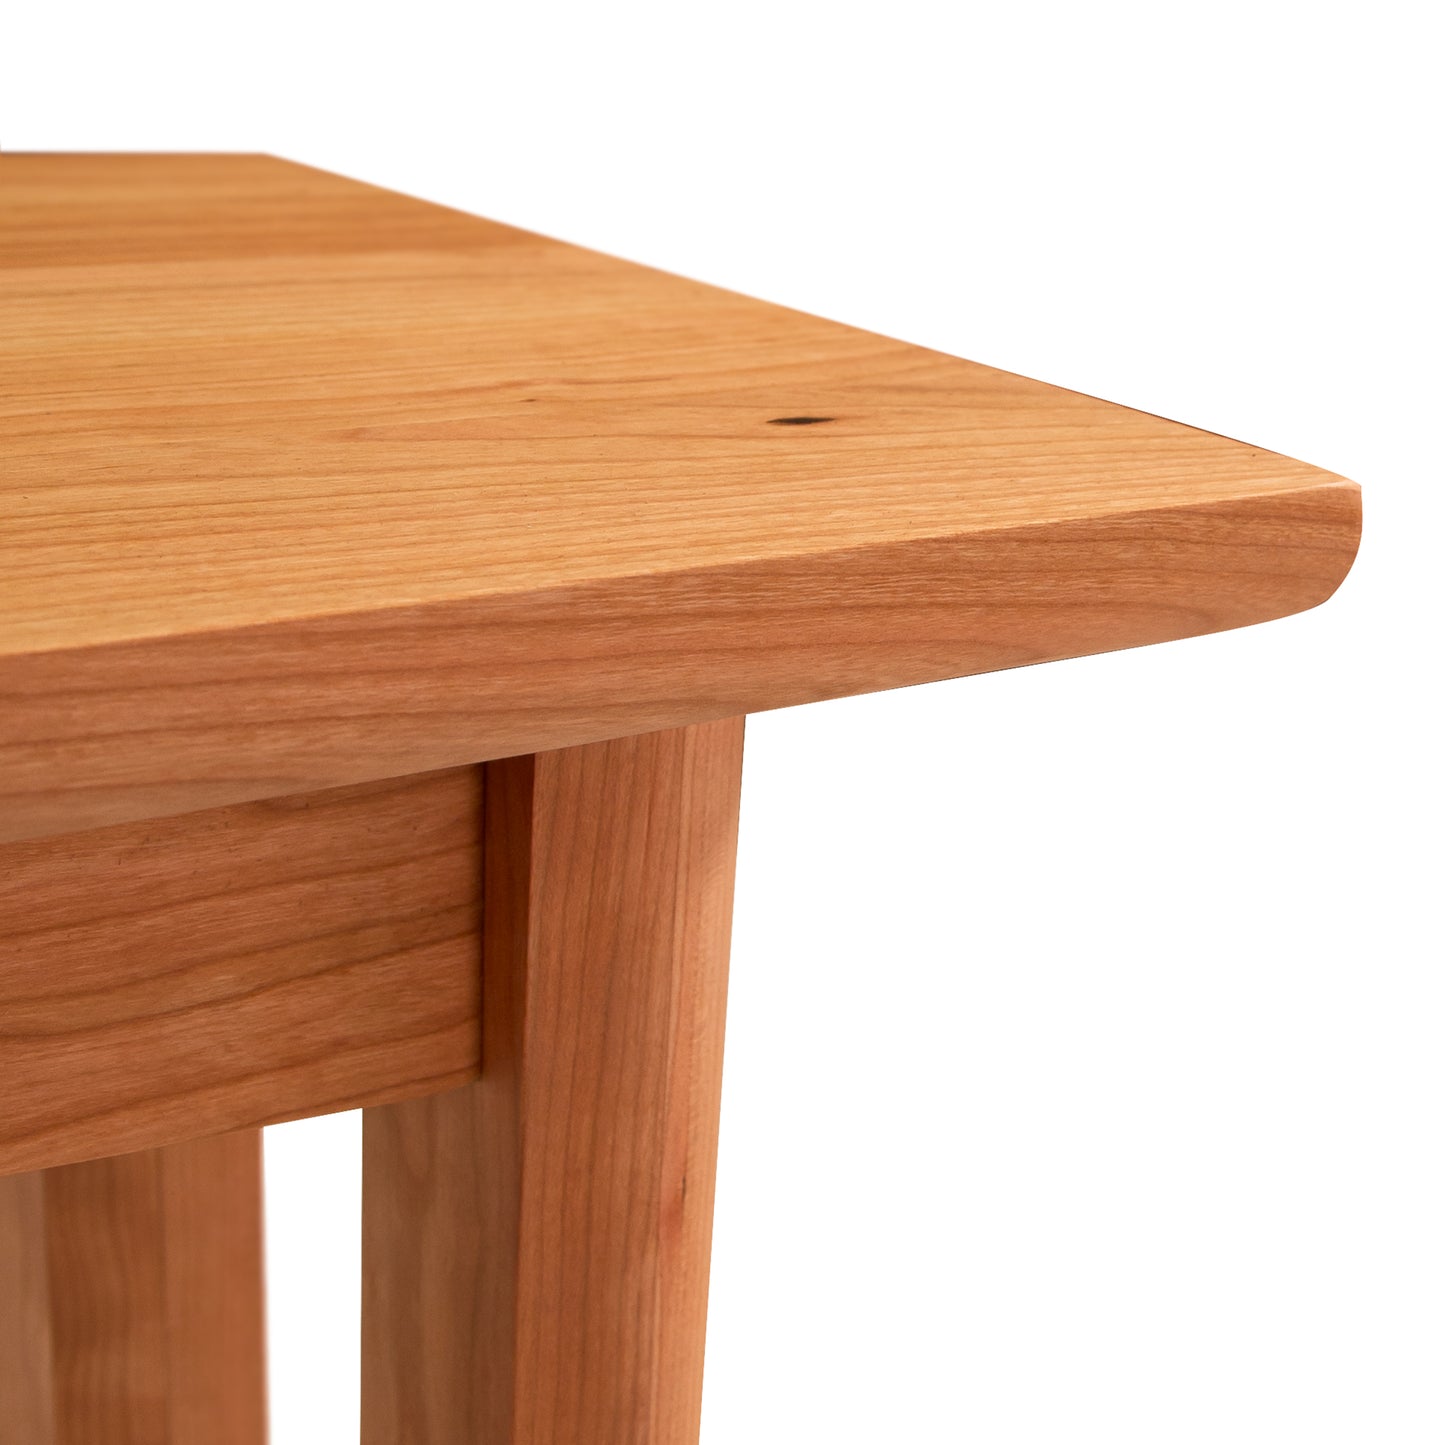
x=535 y=1246
x=131 y=1299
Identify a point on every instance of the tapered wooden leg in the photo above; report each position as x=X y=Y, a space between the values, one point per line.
x=535 y=1246
x=131 y=1299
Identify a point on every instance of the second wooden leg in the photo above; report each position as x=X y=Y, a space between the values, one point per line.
x=131 y=1299
x=536 y=1245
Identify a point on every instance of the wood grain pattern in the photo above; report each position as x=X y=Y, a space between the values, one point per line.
x=212 y=1196
x=306 y=483
x=536 y=1245
x=190 y=975
x=27 y=1396
x=145 y=1298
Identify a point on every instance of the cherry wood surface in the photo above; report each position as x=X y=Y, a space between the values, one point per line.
x=188 y=975
x=536 y=1244
x=381 y=591
x=306 y=483
x=27 y=1392
x=131 y=1299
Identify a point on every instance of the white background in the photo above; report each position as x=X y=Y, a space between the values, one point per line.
x=1085 y=1062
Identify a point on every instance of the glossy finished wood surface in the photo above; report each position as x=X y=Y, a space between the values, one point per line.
x=184 y=976
x=536 y=1245
x=131 y=1299
x=305 y=483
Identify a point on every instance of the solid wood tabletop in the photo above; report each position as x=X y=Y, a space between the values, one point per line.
x=305 y=483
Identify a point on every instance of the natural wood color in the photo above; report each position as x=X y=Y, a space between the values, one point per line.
x=144 y=1299
x=215 y=1250
x=305 y=483
x=536 y=1245
x=189 y=975
x=27 y=1399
